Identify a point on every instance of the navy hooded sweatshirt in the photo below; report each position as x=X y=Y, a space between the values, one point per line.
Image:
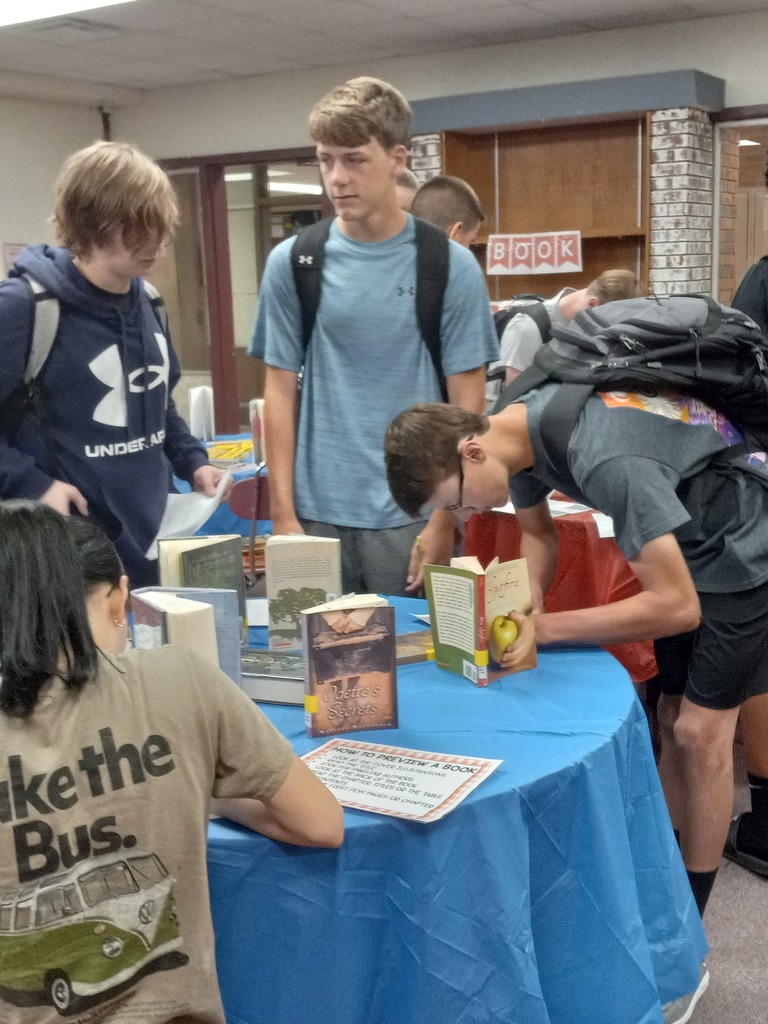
x=106 y=391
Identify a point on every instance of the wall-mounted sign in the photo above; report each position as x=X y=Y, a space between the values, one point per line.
x=546 y=252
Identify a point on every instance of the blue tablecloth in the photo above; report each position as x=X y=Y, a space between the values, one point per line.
x=555 y=894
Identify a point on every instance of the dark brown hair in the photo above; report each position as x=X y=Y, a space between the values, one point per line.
x=445 y=200
x=421 y=449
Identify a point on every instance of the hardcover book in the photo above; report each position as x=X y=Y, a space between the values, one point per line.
x=350 y=671
x=468 y=608
x=276 y=677
x=301 y=571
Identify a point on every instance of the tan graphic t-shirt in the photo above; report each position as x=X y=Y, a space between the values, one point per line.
x=104 y=909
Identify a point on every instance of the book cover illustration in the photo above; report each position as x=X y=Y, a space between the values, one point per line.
x=468 y=608
x=301 y=571
x=351 y=675
x=411 y=648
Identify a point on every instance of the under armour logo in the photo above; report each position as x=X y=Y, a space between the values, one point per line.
x=112 y=410
x=309 y=260
x=406 y=291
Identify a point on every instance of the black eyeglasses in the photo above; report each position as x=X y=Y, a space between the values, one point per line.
x=456 y=505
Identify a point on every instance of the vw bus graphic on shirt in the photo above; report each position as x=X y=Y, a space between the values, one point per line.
x=75 y=939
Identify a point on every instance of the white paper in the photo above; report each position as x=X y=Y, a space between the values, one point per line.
x=185 y=514
x=604 y=525
x=422 y=618
x=557 y=508
x=201 y=417
x=416 y=784
x=257 y=611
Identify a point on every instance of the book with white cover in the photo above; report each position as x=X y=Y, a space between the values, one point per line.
x=300 y=571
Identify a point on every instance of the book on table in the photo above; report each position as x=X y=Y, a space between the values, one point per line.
x=226 y=621
x=214 y=561
x=411 y=648
x=162 y=617
x=276 y=677
x=349 y=662
x=468 y=608
x=301 y=571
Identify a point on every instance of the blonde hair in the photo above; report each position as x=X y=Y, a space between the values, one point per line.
x=108 y=187
x=613 y=285
x=360 y=110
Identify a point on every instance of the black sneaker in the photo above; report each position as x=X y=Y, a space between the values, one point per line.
x=747 y=860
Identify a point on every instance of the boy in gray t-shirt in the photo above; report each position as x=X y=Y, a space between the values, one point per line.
x=689 y=511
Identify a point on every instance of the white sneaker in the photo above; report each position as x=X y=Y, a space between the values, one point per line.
x=680 y=1011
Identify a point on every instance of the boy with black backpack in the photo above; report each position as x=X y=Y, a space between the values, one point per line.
x=688 y=493
x=91 y=427
x=343 y=301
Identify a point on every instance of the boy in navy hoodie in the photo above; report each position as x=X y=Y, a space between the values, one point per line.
x=106 y=436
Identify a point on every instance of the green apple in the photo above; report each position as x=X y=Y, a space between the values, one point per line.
x=502 y=633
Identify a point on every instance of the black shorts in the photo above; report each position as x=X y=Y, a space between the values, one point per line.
x=725 y=661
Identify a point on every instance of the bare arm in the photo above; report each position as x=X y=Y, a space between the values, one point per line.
x=303 y=811
x=437 y=538
x=280 y=413
x=540 y=545
x=667 y=604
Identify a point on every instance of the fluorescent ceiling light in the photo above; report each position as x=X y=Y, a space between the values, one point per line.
x=304 y=190
x=239 y=176
x=748 y=142
x=36 y=10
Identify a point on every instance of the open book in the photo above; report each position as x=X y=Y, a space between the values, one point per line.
x=349 y=657
x=208 y=561
x=468 y=608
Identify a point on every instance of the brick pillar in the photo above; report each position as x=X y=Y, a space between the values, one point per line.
x=729 y=184
x=681 y=201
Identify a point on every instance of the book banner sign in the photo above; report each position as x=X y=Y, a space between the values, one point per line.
x=546 y=252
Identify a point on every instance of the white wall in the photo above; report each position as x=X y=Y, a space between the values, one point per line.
x=37 y=137
x=270 y=111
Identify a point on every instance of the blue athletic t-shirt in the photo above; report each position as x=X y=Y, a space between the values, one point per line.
x=366 y=362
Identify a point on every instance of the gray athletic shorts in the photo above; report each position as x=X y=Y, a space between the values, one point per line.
x=725 y=661
x=372 y=561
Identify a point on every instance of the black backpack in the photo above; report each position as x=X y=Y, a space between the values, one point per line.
x=533 y=306
x=431 y=282
x=689 y=343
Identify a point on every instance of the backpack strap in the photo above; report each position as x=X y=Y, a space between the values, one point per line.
x=157 y=303
x=432 y=254
x=537 y=311
x=432 y=259
x=558 y=417
x=307 y=266
x=45 y=324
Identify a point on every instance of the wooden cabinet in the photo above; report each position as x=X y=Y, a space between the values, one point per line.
x=587 y=177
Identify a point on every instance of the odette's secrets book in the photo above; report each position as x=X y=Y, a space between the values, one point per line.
x=214 y=561
x=226 y=620
x=276 y=677
x=468 y=608
x=350 y=668
x=301 y=571
x=161 y=617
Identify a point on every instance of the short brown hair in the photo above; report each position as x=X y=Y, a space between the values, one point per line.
x=421 y=449
x=360 y=110
x=613 y=285
x=112 y=186
x=445 y=200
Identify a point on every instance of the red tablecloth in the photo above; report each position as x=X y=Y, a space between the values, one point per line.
x=591 y=571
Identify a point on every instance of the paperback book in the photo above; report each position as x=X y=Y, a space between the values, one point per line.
x=350 y=669
x=468 y=608
x=301 y=571
x=226 y=621
x=210 y=561
x=161 y=617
